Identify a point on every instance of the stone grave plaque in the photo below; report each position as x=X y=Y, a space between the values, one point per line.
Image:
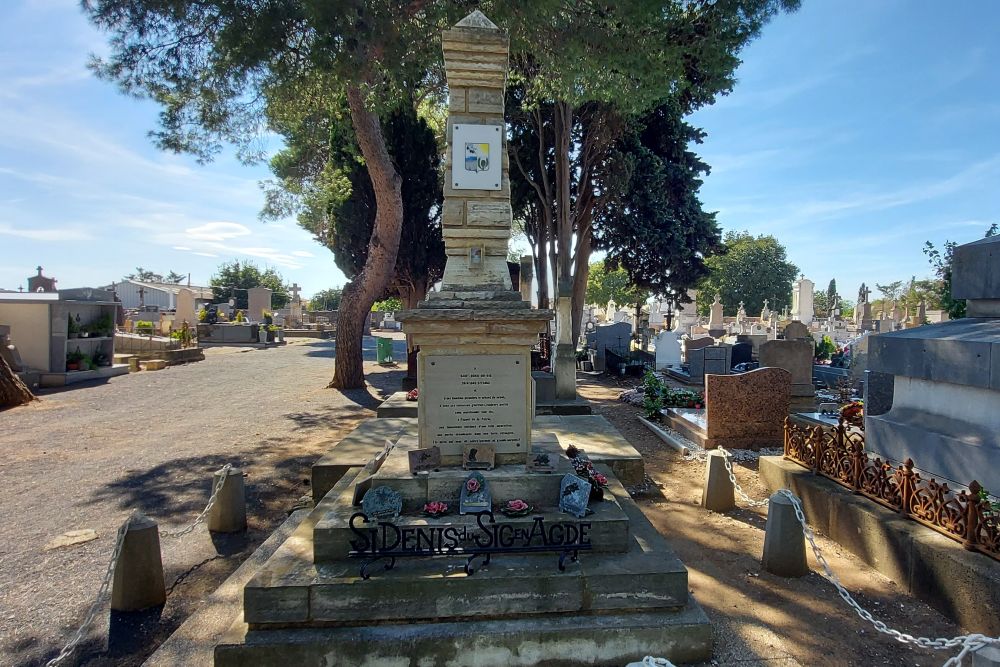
x=478 y=457
x=716 y=361
x=475 y=495
x=368 y=472
x=382 y=504
x=574 y=495
x=424 y=460
x=474 y=400
x=541 y=460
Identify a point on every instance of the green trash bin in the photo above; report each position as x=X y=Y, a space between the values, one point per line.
x=383 y=350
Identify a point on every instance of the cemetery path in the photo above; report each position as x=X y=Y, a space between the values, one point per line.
x=760 y=619
x=84 y=458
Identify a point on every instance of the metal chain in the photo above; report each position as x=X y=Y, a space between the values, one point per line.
x=736 y=485
x=969 y=643
x=211 y=501
x=101 y=594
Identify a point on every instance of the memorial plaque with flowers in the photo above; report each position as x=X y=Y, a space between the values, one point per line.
x=475 y=496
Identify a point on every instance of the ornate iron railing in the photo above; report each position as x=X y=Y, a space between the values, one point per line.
x=838 y=453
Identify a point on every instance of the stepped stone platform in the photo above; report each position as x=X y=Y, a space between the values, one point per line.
x=689 y=422
x=624 y=598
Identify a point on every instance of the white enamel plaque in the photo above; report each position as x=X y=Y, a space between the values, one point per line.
x=476 y=161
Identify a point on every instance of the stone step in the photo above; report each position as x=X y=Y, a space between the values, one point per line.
x=292 y=589
x=565 y=640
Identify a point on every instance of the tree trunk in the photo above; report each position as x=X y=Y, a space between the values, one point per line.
x=563 y=127
x=370 y=283
x=13 y=392
x=580 y=275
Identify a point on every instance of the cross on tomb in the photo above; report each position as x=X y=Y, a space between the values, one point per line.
x=295 y=291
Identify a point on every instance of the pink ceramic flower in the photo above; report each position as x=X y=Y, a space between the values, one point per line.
x=472 y=485
x=517 y=505
x=601 y=480
x=436 y=507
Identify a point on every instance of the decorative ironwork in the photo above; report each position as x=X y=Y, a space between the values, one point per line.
x=383 y=540
x=838 y=453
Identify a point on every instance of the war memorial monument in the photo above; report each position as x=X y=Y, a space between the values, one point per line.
x=475 y=534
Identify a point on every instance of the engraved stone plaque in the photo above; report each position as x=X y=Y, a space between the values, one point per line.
x=424 y=460
x=478 y=457
x=474 y=400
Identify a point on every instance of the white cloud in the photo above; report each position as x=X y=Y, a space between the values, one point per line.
x=302 y=253
x=217 y=231
x=67 y=234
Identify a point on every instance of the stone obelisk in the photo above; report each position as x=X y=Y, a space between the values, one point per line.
x=475 y=334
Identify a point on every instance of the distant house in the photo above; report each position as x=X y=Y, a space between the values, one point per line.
x=134 y=293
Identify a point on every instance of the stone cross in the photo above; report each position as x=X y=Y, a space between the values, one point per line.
x=295 y=291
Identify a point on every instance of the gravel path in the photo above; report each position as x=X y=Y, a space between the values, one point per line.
x=84 y=458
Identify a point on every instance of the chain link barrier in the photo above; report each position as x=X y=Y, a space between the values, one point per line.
x=102 y=592
x=211 y=501
x=969 y=643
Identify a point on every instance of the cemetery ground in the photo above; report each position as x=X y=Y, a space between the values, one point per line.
x=82 y=459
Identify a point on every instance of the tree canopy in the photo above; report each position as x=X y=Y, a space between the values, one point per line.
x=328 y=299
x=233 y=279
x=147 y=276
x=751 y=269
x=604 y=284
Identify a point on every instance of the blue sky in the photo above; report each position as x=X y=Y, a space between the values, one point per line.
x=858 y=130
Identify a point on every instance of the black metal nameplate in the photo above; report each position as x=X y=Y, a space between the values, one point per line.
x=379 y=540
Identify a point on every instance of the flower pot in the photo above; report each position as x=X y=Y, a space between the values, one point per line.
x=596 y=493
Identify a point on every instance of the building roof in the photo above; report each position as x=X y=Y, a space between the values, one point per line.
x=203 y=293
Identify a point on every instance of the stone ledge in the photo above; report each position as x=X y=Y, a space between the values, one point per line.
x=354 y=450
x=963 y=585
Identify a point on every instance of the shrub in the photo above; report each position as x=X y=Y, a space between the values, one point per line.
x=144 y=327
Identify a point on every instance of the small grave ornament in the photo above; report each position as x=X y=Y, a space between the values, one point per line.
x=475 y=496
x=479 y=457
x=382 y=504
x=541 y=460
x=424 y=460
x=574 y=494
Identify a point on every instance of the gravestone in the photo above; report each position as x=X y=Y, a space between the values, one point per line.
x=614 y=337
x=259 y=301
x=715 y=359
x=716 y=319
x=802 y=300
x=742 y=353
x=747 y=410
x=574 y=495
x=185 y=310
x=797 y=331
x=668 y=349
x=689 y=345
x=796 y=357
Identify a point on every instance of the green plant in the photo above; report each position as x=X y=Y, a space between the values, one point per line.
x=202 y=315
x=103 y=325
x=74 y=356
x=651 y=406
x=682 y=398
x=239 y=316
x=825 y=348
x=144 y=327
x=652 y=386
x=73 y=327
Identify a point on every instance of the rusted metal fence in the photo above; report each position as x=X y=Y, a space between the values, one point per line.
x=838 y=453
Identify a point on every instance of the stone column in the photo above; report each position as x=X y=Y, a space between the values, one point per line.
x=527 y=273
x=802 y=300
x=564 y=363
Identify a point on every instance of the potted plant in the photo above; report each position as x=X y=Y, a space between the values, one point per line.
x=85 y=331
x=73 y=360
x=72 y=328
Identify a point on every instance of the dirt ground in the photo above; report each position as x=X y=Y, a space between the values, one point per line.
x=83 y=458
x=760 y=618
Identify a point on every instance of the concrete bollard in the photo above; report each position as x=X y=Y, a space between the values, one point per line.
x=784 y=543
x=718 y=494
x=138 y=579
x=229 y=513
x=987 y=656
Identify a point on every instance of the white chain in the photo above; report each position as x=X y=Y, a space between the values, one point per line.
x=101 y=594
x=736 y=485
x=109 y=574
x=211 y=501
x=969 y=643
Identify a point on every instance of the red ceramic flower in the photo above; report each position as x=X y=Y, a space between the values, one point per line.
x=517 y=505
x=435 y=508
x=472 y=485
x=601 y=480
x=412 y=394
